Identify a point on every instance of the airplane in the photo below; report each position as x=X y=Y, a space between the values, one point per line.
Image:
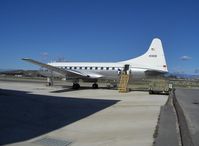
x=151 y=63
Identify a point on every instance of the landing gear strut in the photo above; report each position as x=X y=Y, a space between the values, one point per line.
x=49 y=81
x=95 y=86
x=76 y=86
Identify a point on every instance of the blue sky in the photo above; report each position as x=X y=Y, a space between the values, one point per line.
x=98 y=30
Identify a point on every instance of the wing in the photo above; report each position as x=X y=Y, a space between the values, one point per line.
x=66 y=72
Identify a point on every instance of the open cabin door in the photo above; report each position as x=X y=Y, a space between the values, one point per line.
x=127 y=69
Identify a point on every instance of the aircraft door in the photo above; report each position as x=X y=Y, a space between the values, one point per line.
x=126 y=68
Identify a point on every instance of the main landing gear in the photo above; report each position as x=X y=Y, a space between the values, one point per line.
x=76 y=86
x=95 y=86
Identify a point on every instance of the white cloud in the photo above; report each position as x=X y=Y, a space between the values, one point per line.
x=44 y=53
x=185 y=58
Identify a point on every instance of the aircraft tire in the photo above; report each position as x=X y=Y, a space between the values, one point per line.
x=151 y=92
x=95 y=86
x=76 y=86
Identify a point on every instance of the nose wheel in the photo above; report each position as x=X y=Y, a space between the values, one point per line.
x=95 y=86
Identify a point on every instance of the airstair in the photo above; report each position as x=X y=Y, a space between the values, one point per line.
x=124 y=80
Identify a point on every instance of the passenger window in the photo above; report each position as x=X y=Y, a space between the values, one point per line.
x=113 y=68
x=107 y=68
x=70 y=67
x=75 y=67
x=85 y=68
x=95 y=68
x=102 y=68
x=90 y=68
x=80 y=67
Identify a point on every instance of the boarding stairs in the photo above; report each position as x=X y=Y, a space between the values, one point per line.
x=123 y=83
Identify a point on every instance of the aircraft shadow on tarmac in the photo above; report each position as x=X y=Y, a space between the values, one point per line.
x=24 y=115
x=70 y=89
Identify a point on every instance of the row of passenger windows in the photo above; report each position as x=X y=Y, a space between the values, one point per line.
x=91 y=68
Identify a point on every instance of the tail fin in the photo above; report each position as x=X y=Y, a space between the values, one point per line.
x=153 y=59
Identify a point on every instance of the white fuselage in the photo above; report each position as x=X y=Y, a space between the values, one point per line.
x=101 y=70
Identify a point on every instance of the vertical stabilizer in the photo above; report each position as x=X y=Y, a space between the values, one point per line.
x=153 y=59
